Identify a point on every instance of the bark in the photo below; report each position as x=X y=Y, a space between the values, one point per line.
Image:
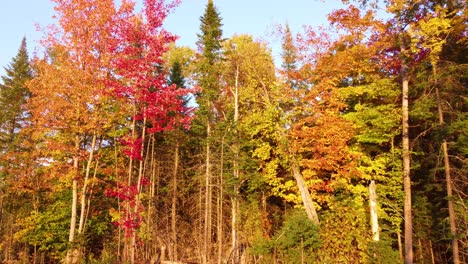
x=406 y=175
x=421 y=253
x=201 y=226
x=373 y=211
x=207 y=217
x=234 y=219
x=90 y=196
x=72 y=254
x=432 y=252
x=220 y=205
x=234 y=199
x=448 y=180
x=85 y=185
x=116 y=172
x=305 y=195
x=400 y=247
x=133 y=256
x=174 y=202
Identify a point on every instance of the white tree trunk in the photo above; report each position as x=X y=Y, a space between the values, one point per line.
x=406 y=175
x=305 y=195
x=373 y=211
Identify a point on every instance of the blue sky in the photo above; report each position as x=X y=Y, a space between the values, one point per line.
x=258 y=18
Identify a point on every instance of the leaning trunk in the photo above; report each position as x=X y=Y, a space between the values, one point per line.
x=85 y=185
x=305 y=195
x=448 y=178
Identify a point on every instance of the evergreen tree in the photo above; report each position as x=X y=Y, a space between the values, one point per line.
x=210 y=45
x=13 y=95
x=209 y=73
x=176 y=77
x=289 y=57
x=211 y=33
x=13 y=116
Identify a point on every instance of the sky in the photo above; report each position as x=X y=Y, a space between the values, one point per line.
x=259 y=18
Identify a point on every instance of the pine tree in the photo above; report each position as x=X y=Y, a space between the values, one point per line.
x=176 y=77
x=289 y=57
x=13 y=95
x=211 y=33
x=13 y=116
x=209 y=44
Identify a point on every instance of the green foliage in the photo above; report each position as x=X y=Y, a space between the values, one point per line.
x=251 y=223
x=344 y=232
x=209 y=42
x=373 y=111
x=381 y=252
x=48 y=229
x=342 y=94
x=296 y=239
x=107 y=256
x=289 y=53
x=13 y=117
x=459 y=131
x=297 y=232
x=176 y=76
x=211 y=33
x=376 y=119
x=13 y=95
x=98 y=233
x=183 y=55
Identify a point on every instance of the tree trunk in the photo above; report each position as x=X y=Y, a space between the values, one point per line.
x=432 y=252
x=448 y=179
x=406 y=174
x=116 y=172
x=133 y=256
x=234 y=199
x=85 y=185
x=174 y=203
x=72 y=254
x=208 y=196
x=306 y=199
x=373 y=211
x=220 y=236
x=149 y=218
x=400 y=247
x=234 y=220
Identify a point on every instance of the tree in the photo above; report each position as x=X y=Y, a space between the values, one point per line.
x=420 y=32
x=249 y=83
x=13 y=149
x=209 y=43
x=372 y=108
x=289 y=57
x=13 y=96
x=176 y=76
x=108 y=60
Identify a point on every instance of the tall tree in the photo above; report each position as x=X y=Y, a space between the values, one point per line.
x=249 y=78
x=209 y=44
x=13 y=96
x=103 y=55
x=14 y=117
x=431 y=33
x=289 y=56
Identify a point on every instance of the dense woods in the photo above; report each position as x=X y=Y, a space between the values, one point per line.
x=118 y=146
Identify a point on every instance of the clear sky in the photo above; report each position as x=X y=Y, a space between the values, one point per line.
x=259 y=18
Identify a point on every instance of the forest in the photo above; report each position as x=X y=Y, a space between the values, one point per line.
x=119 y=146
